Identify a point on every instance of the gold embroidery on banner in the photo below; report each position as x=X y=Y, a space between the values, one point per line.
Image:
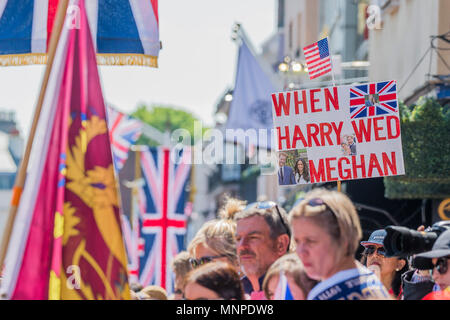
x=54 y=287
x=116 y=59
x=97 y=189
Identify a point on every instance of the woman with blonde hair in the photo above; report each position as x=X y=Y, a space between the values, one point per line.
x=292 y=268
x=327 y=232
x=215 y=240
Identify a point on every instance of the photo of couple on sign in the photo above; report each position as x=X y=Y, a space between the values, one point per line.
x=348 y=145
x=293 y=167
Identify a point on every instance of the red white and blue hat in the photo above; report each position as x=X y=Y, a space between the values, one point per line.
x=377 y=237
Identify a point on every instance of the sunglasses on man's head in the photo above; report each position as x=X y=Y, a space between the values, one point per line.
x=441 y=265
x=270 y=205
x=372 y=249
x=198 y=262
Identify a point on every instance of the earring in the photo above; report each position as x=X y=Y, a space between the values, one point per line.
x=397 y=269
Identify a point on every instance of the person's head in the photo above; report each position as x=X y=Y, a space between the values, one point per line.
x=282 y=159
x=134 y=295
x=350 y=139
x=180 y=266
x=327 y=231
x=214 y=281
x=152 y=293
x=345 y=147
x=439 y=256
x=215 y=240
x=301 y=168
x=299 y=282
x=136 y=286
x=388 y=269
x=262 y=236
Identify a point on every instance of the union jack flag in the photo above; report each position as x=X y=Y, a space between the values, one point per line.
x=374 y=99
x=159 y=228
x=124 y=31
x=123 y=133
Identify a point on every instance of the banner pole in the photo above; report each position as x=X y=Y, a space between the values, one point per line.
x=334 y=85
x=21 y=173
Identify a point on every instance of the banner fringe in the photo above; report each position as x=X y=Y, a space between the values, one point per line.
x=107 y=59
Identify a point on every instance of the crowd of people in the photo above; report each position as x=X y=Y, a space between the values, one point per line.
x=259 y=251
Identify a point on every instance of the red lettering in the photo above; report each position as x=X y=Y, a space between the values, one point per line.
x=313 y=101
x=334 y=99
x=283 y=103
x=377 y=128
x=389 y=127
x=363 y=132
x=338 y=131
x=361 y=166
x=330 y=169
x=374 y=164
x=341 y=172
x=311 y=134
x=286 y=137
x=298 y=102
x=316 y=175
x=391 y=163
x=325 y=134
x=298 y=135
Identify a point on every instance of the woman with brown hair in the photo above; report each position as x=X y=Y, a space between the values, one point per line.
x=214 y=281
x=292 y=268
x=301 y=171
x=389 y=270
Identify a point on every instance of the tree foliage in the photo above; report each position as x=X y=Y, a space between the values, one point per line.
x=164 y=118
x=425 y=131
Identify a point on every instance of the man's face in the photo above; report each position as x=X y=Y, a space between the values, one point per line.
x=349 y=140
x=281 y=160
x=256 y=250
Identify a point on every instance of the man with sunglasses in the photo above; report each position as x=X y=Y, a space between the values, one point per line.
x=437 y=258
x=262 y=236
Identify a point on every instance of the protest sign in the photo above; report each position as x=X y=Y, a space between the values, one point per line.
x=338 y=133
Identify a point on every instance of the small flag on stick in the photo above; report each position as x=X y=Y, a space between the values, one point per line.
x=318 y=59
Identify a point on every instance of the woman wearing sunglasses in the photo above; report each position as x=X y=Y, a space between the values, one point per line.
x=327 y=233
x=389 y=270
x=215 y=240
x=438 y=258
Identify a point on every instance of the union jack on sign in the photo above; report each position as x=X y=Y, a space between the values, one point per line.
x=162 y=222
x=374 y=99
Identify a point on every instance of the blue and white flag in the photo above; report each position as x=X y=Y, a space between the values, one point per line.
x=283 y=292
x=251 y=107
x=353 y=284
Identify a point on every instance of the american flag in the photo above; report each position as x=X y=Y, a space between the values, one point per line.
x=318 y=58
x=386 y=102
x=162 y=222
x=123 y=133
